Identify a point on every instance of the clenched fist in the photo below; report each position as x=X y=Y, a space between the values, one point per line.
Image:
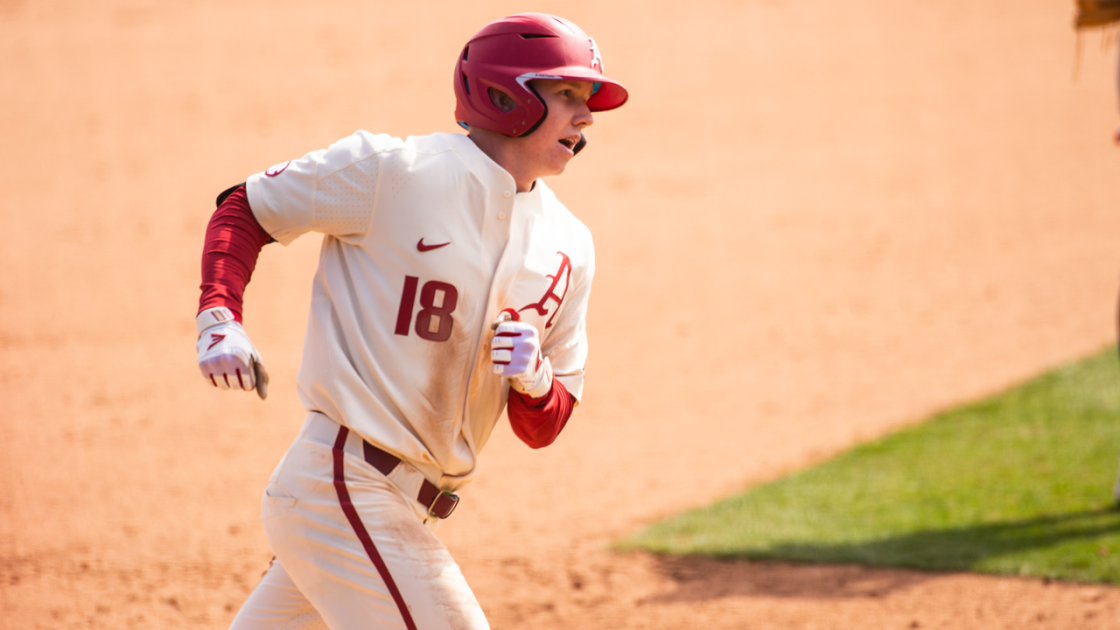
x=226 y=356
x=516 y=354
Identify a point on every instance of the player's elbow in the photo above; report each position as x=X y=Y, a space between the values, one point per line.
x=535 y=440
x=538 y=424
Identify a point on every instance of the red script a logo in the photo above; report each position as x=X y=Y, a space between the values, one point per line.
x=541 y=307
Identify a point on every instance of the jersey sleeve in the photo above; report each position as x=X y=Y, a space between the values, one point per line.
x=332 y=191
x=566 y=344
x=539 y=421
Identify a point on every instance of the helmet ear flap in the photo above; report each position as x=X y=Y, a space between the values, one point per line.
x=528 y=110
x=544 y=106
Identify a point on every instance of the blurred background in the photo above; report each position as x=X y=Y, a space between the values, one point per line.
x=814 y=222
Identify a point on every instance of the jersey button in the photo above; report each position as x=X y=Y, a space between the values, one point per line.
x=507 y=194
x=501 y=216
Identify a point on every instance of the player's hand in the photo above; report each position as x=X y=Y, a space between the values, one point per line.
x=226 y=356
x=516 y=355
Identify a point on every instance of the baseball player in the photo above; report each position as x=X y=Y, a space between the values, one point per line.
x=451 y=284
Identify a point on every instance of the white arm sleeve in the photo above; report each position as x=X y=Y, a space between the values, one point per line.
x=332 y=191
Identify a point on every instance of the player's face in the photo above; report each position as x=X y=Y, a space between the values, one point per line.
x=550 y=146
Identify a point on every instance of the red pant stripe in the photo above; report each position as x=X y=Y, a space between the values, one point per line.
x=360 y=529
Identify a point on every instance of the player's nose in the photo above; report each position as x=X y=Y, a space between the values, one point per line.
x=583 y=117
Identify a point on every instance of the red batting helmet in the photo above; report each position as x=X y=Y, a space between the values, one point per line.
x=507 y=54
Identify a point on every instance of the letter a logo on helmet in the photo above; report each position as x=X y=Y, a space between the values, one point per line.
x=596 y=58
x=508 y=53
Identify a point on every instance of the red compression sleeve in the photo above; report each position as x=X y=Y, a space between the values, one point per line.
x=234 y=239
x=538 y=421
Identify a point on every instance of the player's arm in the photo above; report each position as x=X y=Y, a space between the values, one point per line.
x=539 y=405
x=280 y=203
x=546 y=378
x=234 y=239
x=539 y=421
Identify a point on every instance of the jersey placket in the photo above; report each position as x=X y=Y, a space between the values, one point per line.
x=506 y=220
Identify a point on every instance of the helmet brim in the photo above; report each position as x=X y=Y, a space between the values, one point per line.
x=610 y=95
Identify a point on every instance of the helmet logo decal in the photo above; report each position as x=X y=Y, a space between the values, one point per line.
x=596 y=57
x=529 y=76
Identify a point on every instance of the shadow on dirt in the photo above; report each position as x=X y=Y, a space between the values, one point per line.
x=766 y=572
x=957 y=549
x=698 y=579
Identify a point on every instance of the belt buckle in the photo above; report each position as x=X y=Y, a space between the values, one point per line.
x=443 y=505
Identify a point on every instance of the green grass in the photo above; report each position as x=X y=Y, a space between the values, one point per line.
x=1018 y=484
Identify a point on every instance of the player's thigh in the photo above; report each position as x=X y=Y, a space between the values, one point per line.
x=277 y=604
x=416 y=578
x=364 y=560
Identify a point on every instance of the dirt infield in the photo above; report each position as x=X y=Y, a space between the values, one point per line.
x=814 y=222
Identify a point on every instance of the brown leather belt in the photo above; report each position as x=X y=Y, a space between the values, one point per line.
x=440 y=503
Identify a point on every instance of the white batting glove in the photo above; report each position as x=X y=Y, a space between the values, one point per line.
x=516 y=355
x=226 y=356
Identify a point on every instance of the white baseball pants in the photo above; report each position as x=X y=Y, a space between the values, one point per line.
x=353 y=548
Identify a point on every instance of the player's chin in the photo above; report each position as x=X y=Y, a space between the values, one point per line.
x=559 y=158
x=557 y=167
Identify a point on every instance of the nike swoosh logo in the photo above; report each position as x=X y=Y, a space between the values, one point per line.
x=215 y=340
x=427 y=248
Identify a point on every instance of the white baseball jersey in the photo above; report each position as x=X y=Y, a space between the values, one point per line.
x=425 y=241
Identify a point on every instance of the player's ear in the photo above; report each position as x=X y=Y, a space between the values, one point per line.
x=501 y=100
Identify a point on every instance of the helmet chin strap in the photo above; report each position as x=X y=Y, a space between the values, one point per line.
x=579 y=145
